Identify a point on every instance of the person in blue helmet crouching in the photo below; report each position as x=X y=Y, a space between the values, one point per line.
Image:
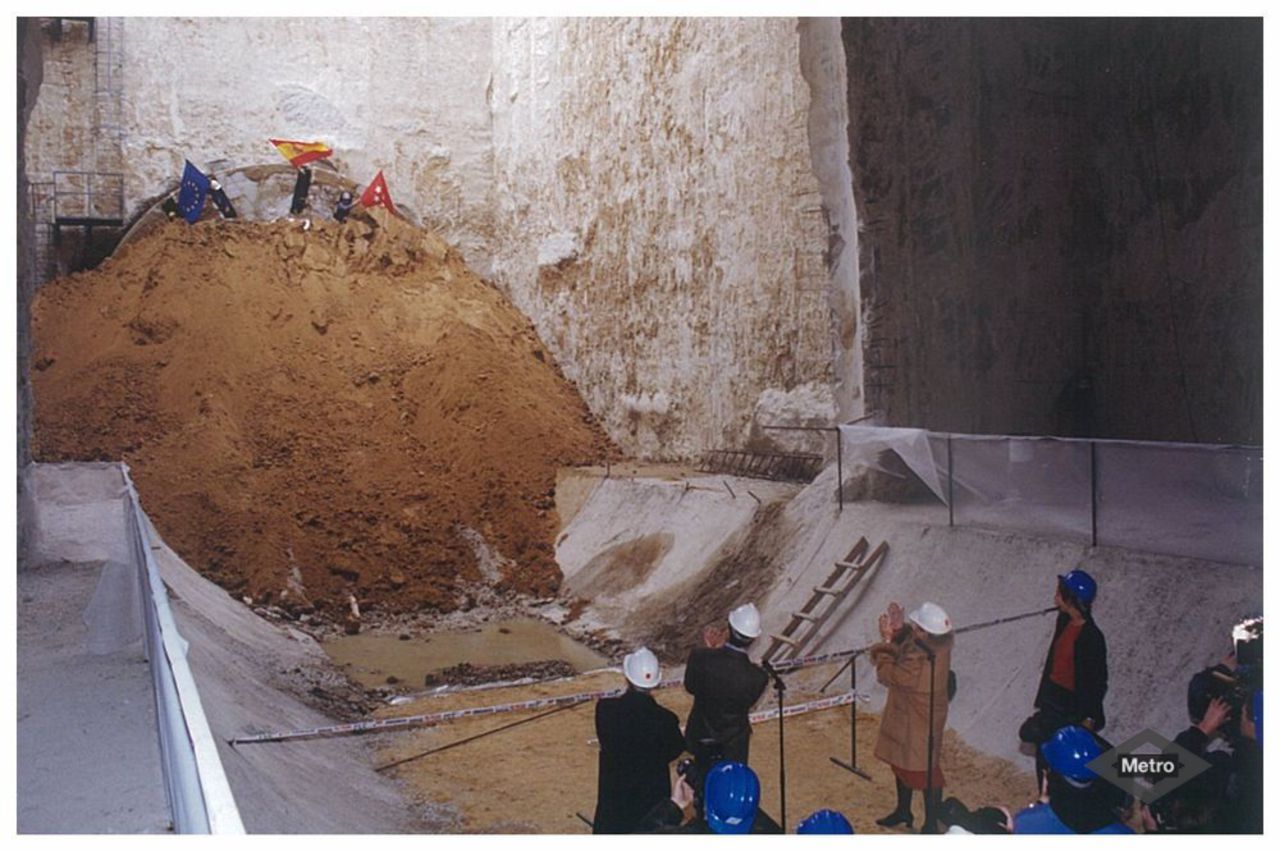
x=730 y=805
x=1074 y=799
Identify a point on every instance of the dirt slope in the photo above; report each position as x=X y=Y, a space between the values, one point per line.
x=315 y=414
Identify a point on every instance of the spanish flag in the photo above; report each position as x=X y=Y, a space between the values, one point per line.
x=301 y=153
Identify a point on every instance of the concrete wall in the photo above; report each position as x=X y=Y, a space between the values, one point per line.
x=1061 y=224
x=659 y=220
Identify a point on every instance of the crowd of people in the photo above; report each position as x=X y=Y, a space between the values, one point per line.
x=717 y=791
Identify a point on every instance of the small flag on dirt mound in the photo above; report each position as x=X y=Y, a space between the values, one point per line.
x=376 y=194
x=301 y=153
x=191 y=196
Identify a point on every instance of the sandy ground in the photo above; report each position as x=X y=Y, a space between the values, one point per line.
x=535 y=778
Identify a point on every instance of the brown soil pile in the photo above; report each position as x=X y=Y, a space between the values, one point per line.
x=316 y=414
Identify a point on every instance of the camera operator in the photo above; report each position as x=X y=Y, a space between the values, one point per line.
x=1225 y=704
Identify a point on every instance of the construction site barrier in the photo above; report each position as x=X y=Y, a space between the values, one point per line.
x=200 y=798
x=425 y=719
x=1202 y=501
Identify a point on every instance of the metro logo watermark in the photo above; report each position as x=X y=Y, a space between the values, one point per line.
x=1153 y=767
x=1148 y=766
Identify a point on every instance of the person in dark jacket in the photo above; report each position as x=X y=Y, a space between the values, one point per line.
x=301 y=188
x=1074 y=681
x=638 y=740
x=220 y=200
x=725 y=684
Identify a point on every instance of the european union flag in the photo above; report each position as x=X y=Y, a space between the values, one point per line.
x=191 y=197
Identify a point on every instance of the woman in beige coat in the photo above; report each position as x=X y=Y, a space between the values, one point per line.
x=902 y=665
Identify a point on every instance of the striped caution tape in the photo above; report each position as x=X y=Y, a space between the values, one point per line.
x=540 y=703
x=805 y=707
x=426 y=719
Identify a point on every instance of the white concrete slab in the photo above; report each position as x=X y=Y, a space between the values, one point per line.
x=88 y=753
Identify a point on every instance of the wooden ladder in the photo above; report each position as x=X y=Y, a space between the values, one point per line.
x=806 y=623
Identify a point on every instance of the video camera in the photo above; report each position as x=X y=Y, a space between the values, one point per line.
x=1234 y=686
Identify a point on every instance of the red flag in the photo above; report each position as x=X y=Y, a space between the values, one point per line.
x=301 y=153
x=376 y=193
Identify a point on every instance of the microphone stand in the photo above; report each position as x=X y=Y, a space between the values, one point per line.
x=781 y=688
x=930 y=807
x=852 y=765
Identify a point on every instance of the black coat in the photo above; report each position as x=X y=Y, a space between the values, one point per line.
x=638 y=740
x=725 y=684
x=1085 y=701
x=1235 y=776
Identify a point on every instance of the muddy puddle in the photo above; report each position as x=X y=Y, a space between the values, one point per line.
x=376 y=659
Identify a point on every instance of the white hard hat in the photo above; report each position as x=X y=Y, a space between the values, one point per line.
x=642 y=669
x=931 y=618
x=745 y=620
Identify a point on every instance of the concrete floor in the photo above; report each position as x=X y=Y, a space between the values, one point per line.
x=88 y=753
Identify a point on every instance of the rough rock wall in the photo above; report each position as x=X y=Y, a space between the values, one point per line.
x=1061 y=224
x=823 y=64
x=30 y=73
x=406 y=95
x=659 y=220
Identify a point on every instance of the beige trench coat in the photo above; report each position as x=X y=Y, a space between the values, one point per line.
x=903 y=667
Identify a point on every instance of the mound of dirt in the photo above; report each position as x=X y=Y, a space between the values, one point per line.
x=315 y=415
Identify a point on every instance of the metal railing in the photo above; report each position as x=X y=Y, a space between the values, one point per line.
x=1193 y=500
x=200 y=798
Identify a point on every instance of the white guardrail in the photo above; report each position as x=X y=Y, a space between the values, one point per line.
x=200 y=798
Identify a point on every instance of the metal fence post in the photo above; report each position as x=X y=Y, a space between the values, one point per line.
x=1093 y=489
x=839 y=469
x=951 y=486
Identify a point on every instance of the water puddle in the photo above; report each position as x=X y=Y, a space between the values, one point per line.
x=371 y=659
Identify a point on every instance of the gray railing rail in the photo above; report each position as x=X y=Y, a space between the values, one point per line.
x=200 y=798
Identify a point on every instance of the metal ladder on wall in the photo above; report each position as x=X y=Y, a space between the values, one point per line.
x=826 y=599
x=91 y=196
x=108 y=101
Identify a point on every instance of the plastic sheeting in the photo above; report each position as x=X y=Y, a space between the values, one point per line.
x=77 y=513
x=863 y=445
x=1197 y=500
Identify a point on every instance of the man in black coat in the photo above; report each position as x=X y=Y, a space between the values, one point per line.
x=725 y=684
x=1074 y=681
x=638 y=740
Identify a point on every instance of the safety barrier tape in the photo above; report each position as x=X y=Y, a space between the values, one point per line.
x=534 y=704
x=577 y=698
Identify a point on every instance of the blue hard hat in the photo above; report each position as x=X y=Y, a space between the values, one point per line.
x=824 y=822
x=1069 y=751
x=1081 y=586
x=731 y=795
